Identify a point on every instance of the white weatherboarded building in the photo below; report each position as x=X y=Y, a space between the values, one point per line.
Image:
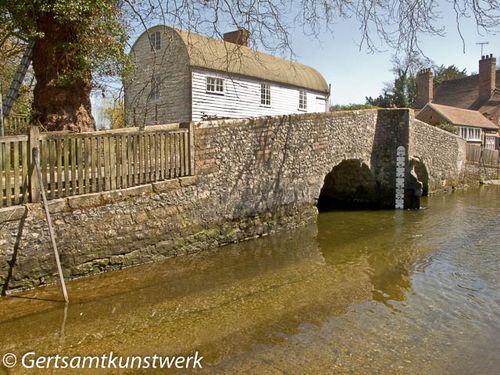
x=181 y=76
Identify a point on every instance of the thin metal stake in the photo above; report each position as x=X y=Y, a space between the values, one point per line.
x=1 y=113
x=49 y=222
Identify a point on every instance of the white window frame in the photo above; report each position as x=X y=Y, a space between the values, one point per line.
x=490 y=142
x=155 y=40
x=265 y=94
x=215 y=85
x=303 y=100
x=470 y=134
x=154 y=93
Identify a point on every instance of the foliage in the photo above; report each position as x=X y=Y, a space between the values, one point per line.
x=384 y=100
x=16 y=124
x=98 y=38
x=11 y=51
x=445 y=73
x=402 y=94
x=447 y=126
x=116 y=115
x=350 y=107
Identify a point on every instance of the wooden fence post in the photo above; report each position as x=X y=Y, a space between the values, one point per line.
x=190 y=127
x=34 y=184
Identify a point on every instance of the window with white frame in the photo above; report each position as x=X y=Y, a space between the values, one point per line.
x=302 y=100
x=265 y=94
x=470 y=134
x=215 y=85
x=489 y=142
x=154 y=94
x=155 y=39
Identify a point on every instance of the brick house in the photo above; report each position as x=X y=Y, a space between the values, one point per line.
x=472 y=125
x=182 y=76
x=476 y=93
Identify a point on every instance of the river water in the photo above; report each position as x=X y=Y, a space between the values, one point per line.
x=361 y=292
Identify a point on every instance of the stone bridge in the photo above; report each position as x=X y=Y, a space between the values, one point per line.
x=252 y=177
x=340 y=158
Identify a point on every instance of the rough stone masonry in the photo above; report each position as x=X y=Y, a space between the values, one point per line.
x=253 y=177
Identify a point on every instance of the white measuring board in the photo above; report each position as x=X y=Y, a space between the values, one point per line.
x=400 y=177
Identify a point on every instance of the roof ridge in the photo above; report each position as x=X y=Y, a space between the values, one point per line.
x=249 y=62
x=222 y=41
x=462 y=116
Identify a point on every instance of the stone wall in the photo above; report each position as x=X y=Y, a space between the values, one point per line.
x=442 y=153
x=444 y=157
x=105 y=231
x=474 y=173
x=253 y=177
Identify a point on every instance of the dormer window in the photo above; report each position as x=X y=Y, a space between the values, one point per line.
x=155 y=39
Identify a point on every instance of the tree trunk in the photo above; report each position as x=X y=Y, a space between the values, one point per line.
x=61 y=98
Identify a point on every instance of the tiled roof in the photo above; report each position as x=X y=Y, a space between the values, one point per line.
x=465 y=117
x=491 y=105
x=463 y=93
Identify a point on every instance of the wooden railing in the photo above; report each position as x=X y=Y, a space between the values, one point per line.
x=81 y=163
x=478 y=154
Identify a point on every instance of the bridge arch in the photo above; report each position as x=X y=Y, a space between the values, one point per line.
x=422 y=173
x=349 y=185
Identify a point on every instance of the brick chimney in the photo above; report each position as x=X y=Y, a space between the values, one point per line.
x=487 y=75
x=425 y=88
x=239 y=36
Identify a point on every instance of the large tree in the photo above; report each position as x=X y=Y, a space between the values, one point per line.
x=73 y=39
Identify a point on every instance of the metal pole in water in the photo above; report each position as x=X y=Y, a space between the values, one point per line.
x=49 y=222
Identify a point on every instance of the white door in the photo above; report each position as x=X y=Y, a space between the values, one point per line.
x=320 y=104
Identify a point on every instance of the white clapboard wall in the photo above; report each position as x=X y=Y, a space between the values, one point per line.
x=242 y=98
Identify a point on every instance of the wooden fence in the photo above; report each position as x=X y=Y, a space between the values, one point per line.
x=15 y=124
x=14 y=159
x=484 y=156
x=80 y=163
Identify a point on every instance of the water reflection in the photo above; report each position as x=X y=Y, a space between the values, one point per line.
x=356 y=292
x=384 y=244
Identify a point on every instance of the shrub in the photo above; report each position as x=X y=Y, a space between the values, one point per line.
x=447 y=126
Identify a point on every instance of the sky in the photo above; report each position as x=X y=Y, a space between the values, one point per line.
x=355 y=74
